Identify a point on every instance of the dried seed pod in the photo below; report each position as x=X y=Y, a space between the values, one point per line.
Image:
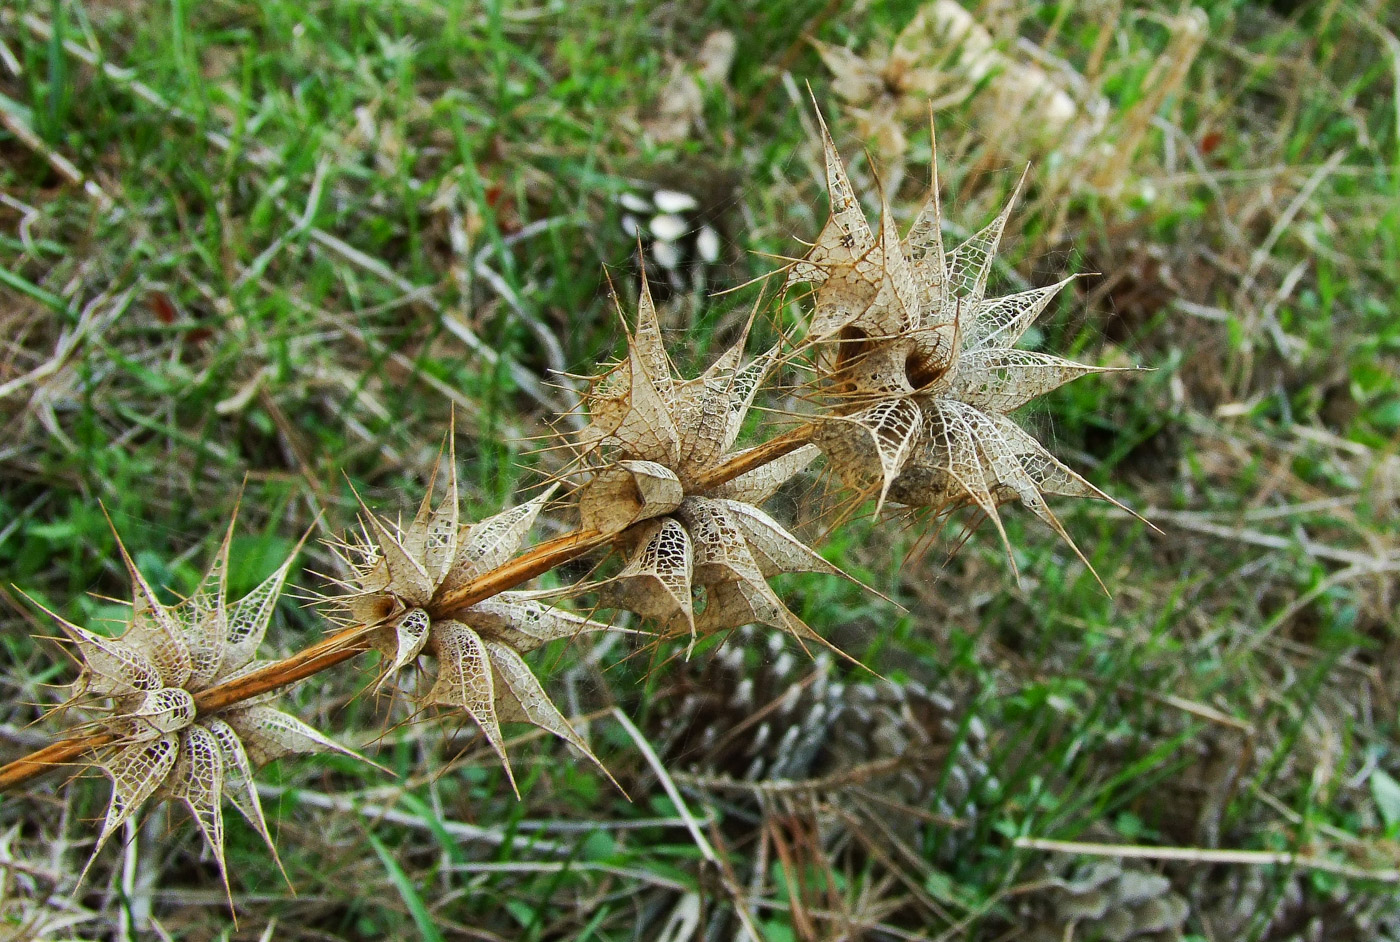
x=640 y=410
x=150 y=675
x=652 y=436
x=917 y=365
x=628 y=492
x=942 y=58
x=399 y=572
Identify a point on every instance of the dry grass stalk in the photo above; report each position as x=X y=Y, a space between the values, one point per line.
x=915 y=374
x=1256 y=858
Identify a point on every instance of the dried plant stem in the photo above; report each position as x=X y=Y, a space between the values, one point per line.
x=538 y=561
x=1266 y=858
x=355 y=640
x=326 y=653
x=756 y=457
x=50 y=757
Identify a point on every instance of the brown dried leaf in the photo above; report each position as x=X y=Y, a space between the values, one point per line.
x=408 y=578
x=205 y=620
x=248 y=618
x=656 y=580
x=846 y=235
x=736 y=590
x=889 y=429
x=494 y=541
x=167 y=710
x=238 y=784
x=756 y=486
x=110 y=668
x=136 y=771
x=153 y=630
x=628 y=492
x=409 y=635
x=525 y=621
x=197 y=781
x=628 y=409
x=721 y=552
x=999 y=381
x=270 y=734
x=748 y=602
x=1000 y=322
x=433 y=535
x=968 y=266
x=465 y=681
x=775 y=549
x=523 y=700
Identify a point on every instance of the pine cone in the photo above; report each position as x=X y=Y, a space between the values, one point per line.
x=1108 y=901
x=795 y=723
x=1252 y=902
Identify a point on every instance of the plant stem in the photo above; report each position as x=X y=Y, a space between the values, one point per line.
x=328 y=652
x=50 y=757
x=355 y=640
x=536 y=562
x=756 y=457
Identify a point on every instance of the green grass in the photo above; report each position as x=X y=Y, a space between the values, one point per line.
x=327 y=198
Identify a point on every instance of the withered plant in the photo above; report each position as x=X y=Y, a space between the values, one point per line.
x=914 y=377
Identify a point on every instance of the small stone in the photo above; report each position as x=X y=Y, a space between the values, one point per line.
x=1134 y=886
x=707 y=245
x=674 y=201
x=1163 y=914
x=668 y=228
x=667 y=255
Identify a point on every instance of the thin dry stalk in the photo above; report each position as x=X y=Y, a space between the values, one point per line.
x=50 y=757
x=1257 y=858
x=354 y=640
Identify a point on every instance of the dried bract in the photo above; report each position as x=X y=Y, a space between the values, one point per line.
x=941 y=58
x=918 y=366
x=651 y=438
x=401 y=571
x=149 y=676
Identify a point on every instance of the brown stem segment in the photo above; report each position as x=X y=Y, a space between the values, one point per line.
x=328 y=652
x=353 y=641
x=756 y=457
x=50 y=757
x=538 y=561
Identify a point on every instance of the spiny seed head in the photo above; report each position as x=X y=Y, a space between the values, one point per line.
x=642 y=410
x=399 y=572
x=651 y=435
x=918 y=367
x=149 y=676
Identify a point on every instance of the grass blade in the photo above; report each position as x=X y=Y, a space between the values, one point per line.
x=423 y=919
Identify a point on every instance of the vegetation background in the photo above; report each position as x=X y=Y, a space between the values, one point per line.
x=267 y=248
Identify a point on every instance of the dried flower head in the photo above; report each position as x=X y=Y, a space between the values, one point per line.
x=940 y=59
x=919 y=366
x=400 y=571
x=651 y=438
x=149 y=677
